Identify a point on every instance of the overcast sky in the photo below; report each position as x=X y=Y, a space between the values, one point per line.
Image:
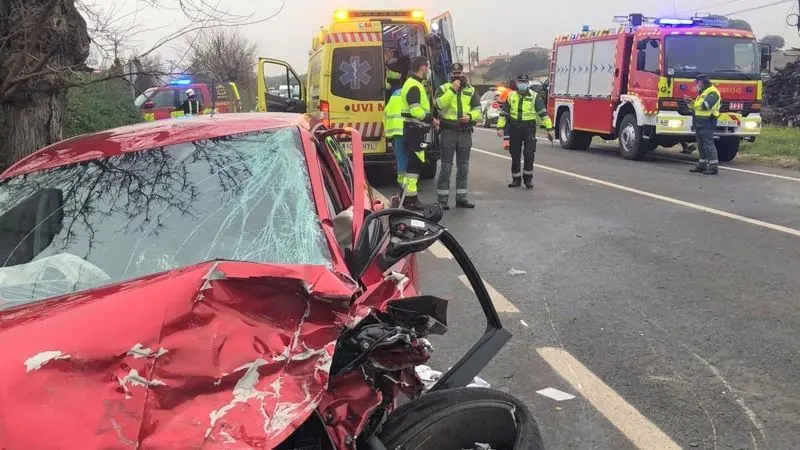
x=497 y=27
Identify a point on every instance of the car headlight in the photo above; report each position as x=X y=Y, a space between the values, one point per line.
x=675 y=123
x=751 y=125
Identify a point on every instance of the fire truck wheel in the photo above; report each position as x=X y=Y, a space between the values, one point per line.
x=631 y=144
x=727 y=148
x=569 y=138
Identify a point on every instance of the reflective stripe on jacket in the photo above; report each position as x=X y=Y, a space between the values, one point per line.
x=393 y=115
x=455 y=105
x=418 y=112
x=707 y=105
x=525 y=108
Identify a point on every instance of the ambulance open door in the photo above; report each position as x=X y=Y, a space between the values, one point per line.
x=442 y=45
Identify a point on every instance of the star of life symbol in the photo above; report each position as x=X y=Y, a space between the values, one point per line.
x=355 y=73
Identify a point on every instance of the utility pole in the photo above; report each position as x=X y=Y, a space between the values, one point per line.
x=469 y=62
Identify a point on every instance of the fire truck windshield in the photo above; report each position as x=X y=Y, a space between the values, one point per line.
x=731 y=57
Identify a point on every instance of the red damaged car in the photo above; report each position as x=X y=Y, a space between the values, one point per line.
x=227 y=282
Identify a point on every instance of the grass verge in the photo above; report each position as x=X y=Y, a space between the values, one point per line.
x=778 y=146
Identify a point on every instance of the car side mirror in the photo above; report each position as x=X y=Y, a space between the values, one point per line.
x=149 y=104
x=408 y=233
x=766 y=57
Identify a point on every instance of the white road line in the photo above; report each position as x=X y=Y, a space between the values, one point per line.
x=718 y=212
x=440 y=251
x=734 y=169
x=666 y=158
x=501 y=304
x=636 y=427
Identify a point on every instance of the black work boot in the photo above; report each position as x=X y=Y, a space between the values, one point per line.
x=412 y=203
x=699 y=168
x=443 y=203
x=464 y=203
x=711 y=170
x=528 y=181
x=515 y=182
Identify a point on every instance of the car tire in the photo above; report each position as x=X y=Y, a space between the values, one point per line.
x=570 y=138
x=429 y=170
x=459 y=418
x=631 y=141
x=727 y=148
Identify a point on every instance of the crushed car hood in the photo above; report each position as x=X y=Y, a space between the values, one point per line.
x=218 y=355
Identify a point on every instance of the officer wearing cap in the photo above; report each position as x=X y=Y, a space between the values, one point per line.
x=520 y=114
x=706 y=112
x=458 y=108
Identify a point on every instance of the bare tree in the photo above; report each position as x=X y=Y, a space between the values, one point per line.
x=223 y=55
x=44 y=43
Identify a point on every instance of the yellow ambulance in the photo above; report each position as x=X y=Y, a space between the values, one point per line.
x=346 y=82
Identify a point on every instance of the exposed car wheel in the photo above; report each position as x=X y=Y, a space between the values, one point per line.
x=460 y=418
x=727 y=148
x=572 y=139
x=631 y=142
x=428 y=170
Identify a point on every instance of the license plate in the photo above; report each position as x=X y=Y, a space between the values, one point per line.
x=727 y=123
x=737 y=106
x=368 y=146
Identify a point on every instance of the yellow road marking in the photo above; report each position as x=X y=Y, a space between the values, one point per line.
x=636 y=427
x=501 y=304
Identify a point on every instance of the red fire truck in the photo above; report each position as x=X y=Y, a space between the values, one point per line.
x=631 y=83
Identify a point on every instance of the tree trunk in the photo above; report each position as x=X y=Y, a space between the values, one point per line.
x=44 y=42
x=30 y=125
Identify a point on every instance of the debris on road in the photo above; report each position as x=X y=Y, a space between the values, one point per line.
x=555 y=394
x=517 y=272
x=524 y=324
x=429 y=377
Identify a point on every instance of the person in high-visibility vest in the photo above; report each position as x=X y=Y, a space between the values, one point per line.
x=416 y=113
x=394 y=77
x=520 y=114
x=706 y=108
x=459 y=108
x=393 y=125
x=191 y=105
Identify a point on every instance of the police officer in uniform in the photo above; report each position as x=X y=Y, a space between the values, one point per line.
x=458 y=108
x=520 y=114
x=417 y=116
x=706 y=112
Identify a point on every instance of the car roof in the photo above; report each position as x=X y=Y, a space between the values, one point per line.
x=147 y=135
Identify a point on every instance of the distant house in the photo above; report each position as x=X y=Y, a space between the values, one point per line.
x=536 y=49
x=486 y=62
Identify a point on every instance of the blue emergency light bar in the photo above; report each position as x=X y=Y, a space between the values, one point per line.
x=675 y=22
x=180 y=82
x=693 y=22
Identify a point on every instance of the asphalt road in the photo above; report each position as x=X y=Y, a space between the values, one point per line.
x=667 y=303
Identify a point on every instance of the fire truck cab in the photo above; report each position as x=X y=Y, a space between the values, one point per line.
x=164 y=102
x=631 y=83
x=346 y=82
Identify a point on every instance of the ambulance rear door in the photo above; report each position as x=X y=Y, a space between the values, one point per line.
x=356 y=81
x=443 y=48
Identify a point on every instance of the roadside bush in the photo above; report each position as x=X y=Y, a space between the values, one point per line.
x=99 y=106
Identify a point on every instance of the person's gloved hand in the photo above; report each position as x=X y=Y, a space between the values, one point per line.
x=550 y=136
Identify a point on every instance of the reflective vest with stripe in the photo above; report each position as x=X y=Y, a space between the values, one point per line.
x=415 y=114
x=522 y=109
x=455 y=106
x=393 y=115
x=713 y=110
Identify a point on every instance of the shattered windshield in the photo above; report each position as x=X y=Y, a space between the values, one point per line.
x=712 y=55
x=244 y=197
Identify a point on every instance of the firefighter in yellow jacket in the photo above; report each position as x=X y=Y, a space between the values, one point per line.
x=520 y=114
x=417 y=118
